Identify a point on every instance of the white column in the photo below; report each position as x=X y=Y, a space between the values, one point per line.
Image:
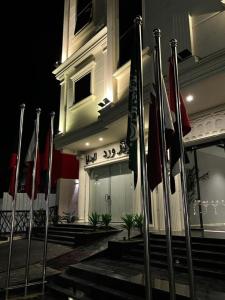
x=112 y=45
x=65 y=42
x=82 y=202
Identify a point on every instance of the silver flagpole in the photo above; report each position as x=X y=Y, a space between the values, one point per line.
x=144 y=182
x=166 y=198
x=47 y=202
x=38 y=111
x=22 y=108
x=173 y=45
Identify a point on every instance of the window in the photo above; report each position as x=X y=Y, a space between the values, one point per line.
x=82 y=88
x=84 y=14
x=205 y=173
x=128 y=10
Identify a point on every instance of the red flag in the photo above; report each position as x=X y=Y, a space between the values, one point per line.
x=154 y=159
x=12 y=169
x=154 y=153
x=45 y=164
x=29 y=164
x=186 y=127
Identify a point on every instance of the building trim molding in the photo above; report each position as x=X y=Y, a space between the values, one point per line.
x=209 y=125
x=81 y=54
x=191 y=71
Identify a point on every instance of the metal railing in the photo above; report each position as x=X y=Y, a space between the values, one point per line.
x=21 y=219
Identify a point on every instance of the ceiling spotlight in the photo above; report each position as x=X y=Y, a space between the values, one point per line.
x=100 y=139
x=87 y=144
x=189 y=98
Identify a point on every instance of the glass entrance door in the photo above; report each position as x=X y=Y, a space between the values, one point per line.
x=205 y=172
x=111 y=190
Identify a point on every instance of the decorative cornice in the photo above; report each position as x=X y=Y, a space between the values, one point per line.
x=80 y=54
x=191 y=71
x=207 y=126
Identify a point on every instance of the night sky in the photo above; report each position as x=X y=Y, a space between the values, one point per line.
x=31 y=41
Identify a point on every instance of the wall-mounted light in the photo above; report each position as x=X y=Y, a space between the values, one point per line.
x=87 y=144
x=104 y=103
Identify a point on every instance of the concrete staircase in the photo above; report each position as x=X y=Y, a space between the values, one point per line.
x=72 y=234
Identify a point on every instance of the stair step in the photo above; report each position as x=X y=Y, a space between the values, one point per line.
x=58 y=237
x=193 y=250
x=108 y=276
x=73 y=225
x=97 y=290
x=62 y=233
x=198 y=260
x=69 y=229
x=60 y=292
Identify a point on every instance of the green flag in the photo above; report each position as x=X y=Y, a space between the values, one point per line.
x=133 y=106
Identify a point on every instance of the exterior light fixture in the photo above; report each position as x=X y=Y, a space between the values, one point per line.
x=87 y=144
x=100 y=139
x=189 y=98
x=104 y=102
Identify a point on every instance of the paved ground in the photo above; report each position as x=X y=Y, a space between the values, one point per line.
x=36 y=254
x=59 y=257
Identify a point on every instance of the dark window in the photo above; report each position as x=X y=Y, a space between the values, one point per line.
x=84 y=14
x=128 y=10
x=82 y=88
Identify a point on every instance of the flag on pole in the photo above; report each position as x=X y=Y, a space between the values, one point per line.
x=45 y=164
x=186 y=127
x=133 y=109
x=12 y=169
x=154 y=163
x=29 y=161
x=154 y=159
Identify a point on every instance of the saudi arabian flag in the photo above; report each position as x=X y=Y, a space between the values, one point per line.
x=133 y=111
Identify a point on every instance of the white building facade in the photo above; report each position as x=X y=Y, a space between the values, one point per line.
x=94 y=80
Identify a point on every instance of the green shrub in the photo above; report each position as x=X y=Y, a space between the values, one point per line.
x=138 y=222
x=128 y=223
x=39 y=217
x=106 y=219
x=94 y=219
x=69 y=217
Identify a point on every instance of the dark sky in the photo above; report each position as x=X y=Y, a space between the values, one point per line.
x=31 y=39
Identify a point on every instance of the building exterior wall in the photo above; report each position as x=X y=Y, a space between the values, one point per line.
x=198 y=27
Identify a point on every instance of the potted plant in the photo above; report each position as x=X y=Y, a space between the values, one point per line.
x=39 y=218
x=94 y=219
x=55 y=219
x=69 y=217
x=128 y=220
x=106 y=219
x=138 y=222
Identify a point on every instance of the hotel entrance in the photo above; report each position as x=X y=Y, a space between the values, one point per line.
x=205 y=172
x=112 y=190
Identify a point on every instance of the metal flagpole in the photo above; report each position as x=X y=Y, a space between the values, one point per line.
x=22 y=108
x=47 y=202
x=198 y=189
x=173 y=45
x=144 y=182
x=38 y=111
x=158 y=81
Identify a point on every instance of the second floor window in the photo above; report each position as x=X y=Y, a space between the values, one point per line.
x=84 y=14
x=82 y=88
